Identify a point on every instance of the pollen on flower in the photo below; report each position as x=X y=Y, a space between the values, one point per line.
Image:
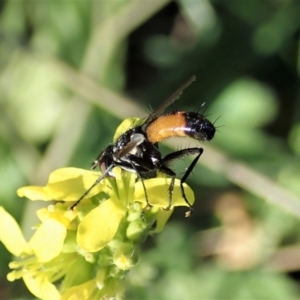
x=14 y=275
x=51 y=208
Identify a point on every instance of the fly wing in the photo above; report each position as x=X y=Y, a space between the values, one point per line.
x=136 y=139
x=170 y=100
x=126 y=149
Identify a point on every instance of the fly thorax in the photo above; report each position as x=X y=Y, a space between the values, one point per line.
x=155 y=161
x=136 y=139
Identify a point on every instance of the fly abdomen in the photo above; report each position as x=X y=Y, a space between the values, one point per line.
x=198 y=127
x=166 y=126
x=179 y=124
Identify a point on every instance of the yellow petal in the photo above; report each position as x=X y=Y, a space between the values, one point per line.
x=67 y=184
x=100 y=225
x=59 y=213
x=49 y=291
x=158 y=192
x=34 y=193
x=80 y=292
x=162 y=217
x=47 y=242
x=11 y=235
x=124 y=184
x=41 y=287
x=78 y=272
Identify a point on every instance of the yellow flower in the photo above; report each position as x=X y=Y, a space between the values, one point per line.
x=85 y=253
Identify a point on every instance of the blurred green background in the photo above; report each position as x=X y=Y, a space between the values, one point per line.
x=70 y=71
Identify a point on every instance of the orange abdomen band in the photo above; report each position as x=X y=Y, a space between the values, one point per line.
x=166 y=126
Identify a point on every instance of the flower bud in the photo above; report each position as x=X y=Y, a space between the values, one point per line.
x=137 y=231
x=126 y=256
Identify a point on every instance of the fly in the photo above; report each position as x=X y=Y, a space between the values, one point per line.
x=137 y=150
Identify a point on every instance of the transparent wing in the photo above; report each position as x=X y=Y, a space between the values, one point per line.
x=170 y=100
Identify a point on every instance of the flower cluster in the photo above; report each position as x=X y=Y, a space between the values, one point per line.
x=85 y=253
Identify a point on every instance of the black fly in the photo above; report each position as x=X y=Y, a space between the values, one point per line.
x=137 y=150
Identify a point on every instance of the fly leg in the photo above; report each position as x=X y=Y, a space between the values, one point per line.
x=143 y=184
x=92 y=186
x=141 y=166
x=172 y=174
x=177 y=155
